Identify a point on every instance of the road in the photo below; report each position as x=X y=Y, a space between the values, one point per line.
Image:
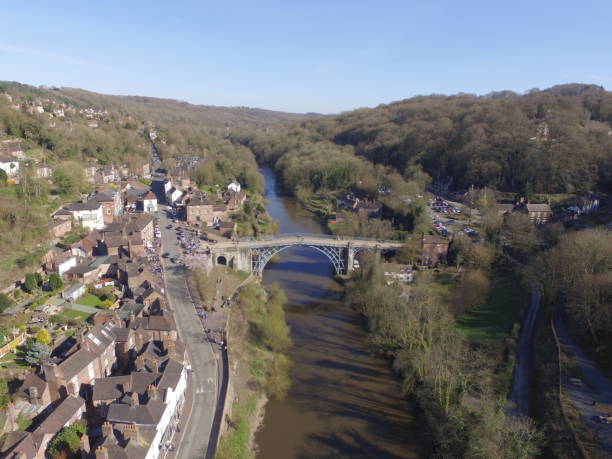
x=204 y=377
x=596 y=386
x=518 y=402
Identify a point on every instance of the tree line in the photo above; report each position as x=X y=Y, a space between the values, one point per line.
x=555 y=140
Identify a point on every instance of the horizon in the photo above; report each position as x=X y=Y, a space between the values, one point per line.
x=315 y=58
x=518 y=93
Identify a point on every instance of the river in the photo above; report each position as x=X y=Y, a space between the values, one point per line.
x=344 y=401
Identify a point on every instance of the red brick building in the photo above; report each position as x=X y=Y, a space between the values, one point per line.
x=434 y=249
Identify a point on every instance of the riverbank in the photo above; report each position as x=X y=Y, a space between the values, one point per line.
x=258 y=341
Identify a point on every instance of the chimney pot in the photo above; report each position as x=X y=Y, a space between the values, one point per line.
x=152 y=392
x=33 y=391
x=107 y=429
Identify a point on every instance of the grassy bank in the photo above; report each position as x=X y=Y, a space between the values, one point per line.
x=496 y=318
x=258 y=342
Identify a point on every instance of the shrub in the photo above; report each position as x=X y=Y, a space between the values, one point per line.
x=68 y=440
x=43 y=336
x=38 y=353
x=55 y=281
x=30 y=283
x=5 y=302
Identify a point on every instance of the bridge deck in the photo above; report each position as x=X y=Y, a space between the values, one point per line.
x=307 y=239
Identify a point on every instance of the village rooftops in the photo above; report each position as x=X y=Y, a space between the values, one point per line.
x=73 y=289
x=79 y=206
x=115 y=387
x=538 y=208
x=139 y=223
x=31 y=381
x=60 y=416
x=142 y=415
x=102 y=197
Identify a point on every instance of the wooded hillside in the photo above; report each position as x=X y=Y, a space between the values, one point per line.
x=554 y=140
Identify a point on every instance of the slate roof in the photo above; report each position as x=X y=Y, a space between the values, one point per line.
x=61 y=415
x=171 y=375
x=147 y=415
x=115 y=387
x=79 y=206
x=18 y=442
x=538 y=208
x=73 y=288
x=83 y=268
x=102 y=197
x=32 y=380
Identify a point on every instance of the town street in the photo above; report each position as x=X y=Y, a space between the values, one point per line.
x=204 y=376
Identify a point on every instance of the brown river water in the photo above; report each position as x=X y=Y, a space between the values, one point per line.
x=345 y=401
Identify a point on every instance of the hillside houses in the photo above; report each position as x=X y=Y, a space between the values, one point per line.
x=9 y=165
x=539 y=213
x=125 y=375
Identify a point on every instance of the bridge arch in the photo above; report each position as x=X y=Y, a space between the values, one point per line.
x=222 y=260
x=261 y=256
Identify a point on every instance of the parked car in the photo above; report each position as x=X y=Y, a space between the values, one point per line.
x=605 y=419
x=168 y=226
x=165 y=255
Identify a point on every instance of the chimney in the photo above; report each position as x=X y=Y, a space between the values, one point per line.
x=135 y=401
x=85 y=446
x=50 y=370
x=33 y=395
x=72 y=389
x=152 y=392
x=130 y=432
x=140 y=363
x=169 y=346
x=132 y=318
x=154 y=366
x=101 y=452
x=107 y=429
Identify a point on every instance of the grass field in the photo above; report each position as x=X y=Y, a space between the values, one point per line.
x=495 y=319
x=90 y=300
x=72 y=314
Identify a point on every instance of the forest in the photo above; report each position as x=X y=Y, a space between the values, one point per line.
x=545 y=141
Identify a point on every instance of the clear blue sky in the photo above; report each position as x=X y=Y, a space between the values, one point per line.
x=320 y=56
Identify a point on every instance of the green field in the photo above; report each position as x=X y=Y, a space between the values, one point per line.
x=495 y=318
x=90 y=300
x=72 y=314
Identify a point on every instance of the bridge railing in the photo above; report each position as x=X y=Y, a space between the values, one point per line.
x=330 y=237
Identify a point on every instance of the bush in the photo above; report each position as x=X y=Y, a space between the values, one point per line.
x=38 y=353
x=5 y=302
x=55 y=281
x=30 y=283
x=43 y=336
x=68 y=440
x=278 y=382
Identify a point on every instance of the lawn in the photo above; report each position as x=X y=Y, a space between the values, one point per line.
x=72 y=314
x=90 y=300
x=495 y=319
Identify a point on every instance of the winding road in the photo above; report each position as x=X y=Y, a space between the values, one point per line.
x=592 y=397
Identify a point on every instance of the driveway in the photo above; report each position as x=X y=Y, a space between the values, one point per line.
x=195 y=439
x=593 y=397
